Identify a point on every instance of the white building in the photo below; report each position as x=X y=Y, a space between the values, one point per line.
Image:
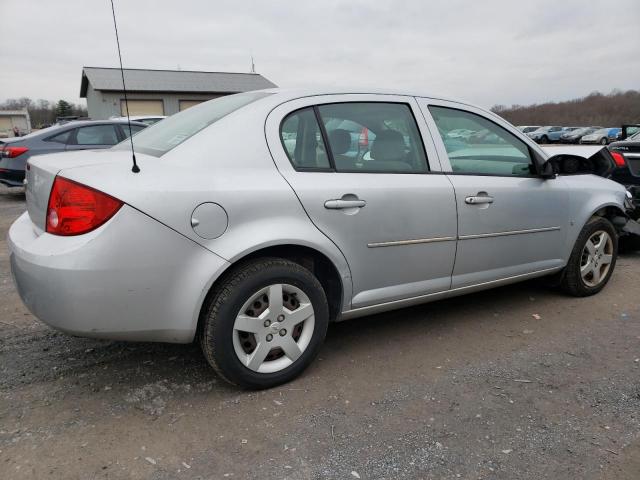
x=14 y=118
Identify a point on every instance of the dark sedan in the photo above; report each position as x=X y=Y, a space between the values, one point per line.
x=75 y=135
x=626 y=154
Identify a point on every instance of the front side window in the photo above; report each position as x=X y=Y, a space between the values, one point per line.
x=373 y=137
x=97 y=135
x=490 y=150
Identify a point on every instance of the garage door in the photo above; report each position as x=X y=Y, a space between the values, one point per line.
x=5 y=124
x=184 y=104
x=142 y=107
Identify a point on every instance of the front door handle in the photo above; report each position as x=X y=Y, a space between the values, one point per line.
x=338 y=204
x=478 y=199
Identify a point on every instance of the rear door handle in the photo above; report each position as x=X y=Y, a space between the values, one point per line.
x=478 y=199
x=338 y=204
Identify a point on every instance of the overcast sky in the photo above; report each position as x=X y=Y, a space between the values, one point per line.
x=487 y=52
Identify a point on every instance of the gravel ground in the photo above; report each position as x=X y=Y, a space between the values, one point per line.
x=517 y=382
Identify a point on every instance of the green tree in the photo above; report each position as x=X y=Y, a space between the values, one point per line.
x=63 y=108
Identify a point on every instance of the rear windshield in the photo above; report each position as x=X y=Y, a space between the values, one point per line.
x=161 y=137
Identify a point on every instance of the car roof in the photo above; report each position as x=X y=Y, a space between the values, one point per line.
x=293 y=93
x=77 y=123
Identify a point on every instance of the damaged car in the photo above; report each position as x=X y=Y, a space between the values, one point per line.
x=276 y=229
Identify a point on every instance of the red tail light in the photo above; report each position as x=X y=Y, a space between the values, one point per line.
x=75 y=209
x=13 y=152
x=619 y=159
x=364 y=137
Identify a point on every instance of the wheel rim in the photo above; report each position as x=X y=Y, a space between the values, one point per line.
x=597 y=256
x=603 y=141
x=273 y=328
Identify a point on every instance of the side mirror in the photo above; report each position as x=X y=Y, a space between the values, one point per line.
x=549 y=169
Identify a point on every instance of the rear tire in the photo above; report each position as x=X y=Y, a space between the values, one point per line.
x=590 y=265
x=603 y=141
x=264 y=323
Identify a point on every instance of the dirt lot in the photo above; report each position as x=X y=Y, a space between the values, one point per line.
x=474 y=387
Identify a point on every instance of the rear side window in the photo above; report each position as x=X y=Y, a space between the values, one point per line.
x=60 y=138
x=488 y=150
x=97 y=135
x=373 y=137
x=302 y=140
x=367 y=137
x=163 y=136
x=134 y=129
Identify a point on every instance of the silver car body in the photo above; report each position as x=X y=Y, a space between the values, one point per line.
x=145 y=273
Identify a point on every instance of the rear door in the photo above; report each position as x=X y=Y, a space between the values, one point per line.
x=380 y=198
x=511 y=221
x=94 y=136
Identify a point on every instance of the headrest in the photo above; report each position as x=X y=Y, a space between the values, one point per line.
x=388 y=146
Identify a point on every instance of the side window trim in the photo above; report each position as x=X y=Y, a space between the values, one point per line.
x=325 y=139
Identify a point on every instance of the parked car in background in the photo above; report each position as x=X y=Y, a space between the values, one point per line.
x=546 y=134
x=602 y=136
x=146 y=119
x=574 y=136
x=528 y=128
x=72 y=135
x=628 y=131
x=626 y=154
x=259 y=246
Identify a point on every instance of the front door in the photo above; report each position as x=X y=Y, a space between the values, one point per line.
x=511 y=221
x=364 y=177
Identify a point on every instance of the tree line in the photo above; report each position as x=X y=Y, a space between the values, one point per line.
x=44 y=112
x=597 y=109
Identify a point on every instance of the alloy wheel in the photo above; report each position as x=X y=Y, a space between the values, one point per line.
x=596 y=259
x=273 y=328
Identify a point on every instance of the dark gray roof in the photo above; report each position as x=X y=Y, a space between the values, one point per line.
x=139 y=80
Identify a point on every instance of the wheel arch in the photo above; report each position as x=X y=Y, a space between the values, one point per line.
x=337 y=287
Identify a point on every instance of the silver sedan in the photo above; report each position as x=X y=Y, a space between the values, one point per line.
x=256 y=220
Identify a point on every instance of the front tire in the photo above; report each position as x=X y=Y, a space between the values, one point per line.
x=264 y=323
x=592 y=259
x=544 y=140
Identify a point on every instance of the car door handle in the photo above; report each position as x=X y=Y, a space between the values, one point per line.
x=338 y=204
x=478 y=199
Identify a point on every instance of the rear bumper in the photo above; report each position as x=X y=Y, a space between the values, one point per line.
x=131 y=279
x=12 y=178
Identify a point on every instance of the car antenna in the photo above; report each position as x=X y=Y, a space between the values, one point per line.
x=135 y=168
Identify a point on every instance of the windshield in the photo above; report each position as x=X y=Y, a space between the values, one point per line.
x=161 y=137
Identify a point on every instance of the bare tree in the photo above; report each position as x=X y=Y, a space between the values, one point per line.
x=596 y=109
